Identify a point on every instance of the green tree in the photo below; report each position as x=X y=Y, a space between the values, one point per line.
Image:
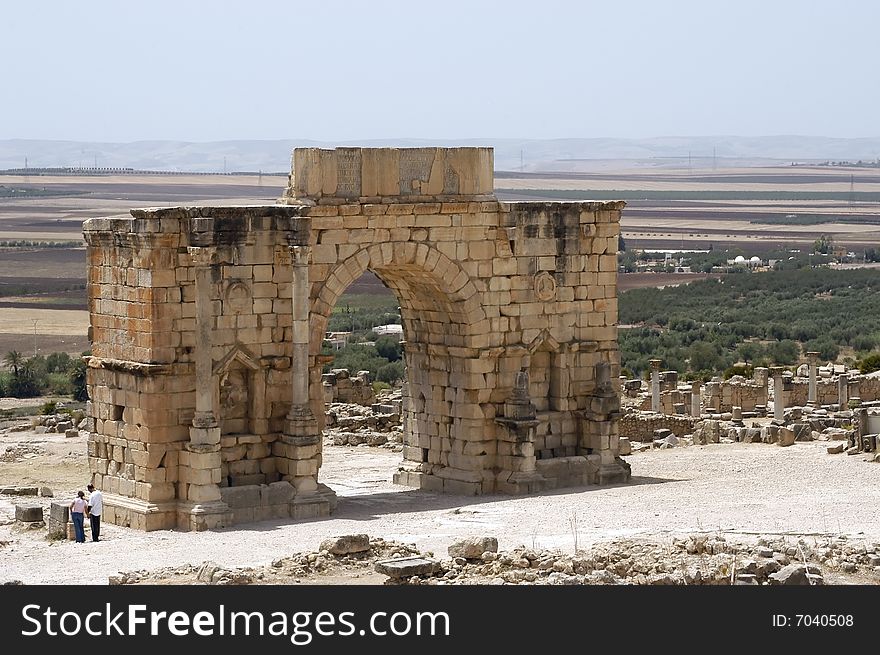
x=870 y=363
x=703 y=356
x=78 y=380
x=389 y=348
x=391 y=372
x=827 y=349
x=783 y=352
x=824 y=245
x=14 y=360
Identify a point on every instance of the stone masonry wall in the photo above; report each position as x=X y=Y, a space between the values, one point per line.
x=640 y=427
x=207 y=324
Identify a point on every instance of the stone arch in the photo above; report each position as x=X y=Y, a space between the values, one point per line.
x=443 y=320
x=430 y=287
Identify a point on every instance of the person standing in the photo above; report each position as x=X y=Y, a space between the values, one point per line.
x=95 y=508
x=78 y=509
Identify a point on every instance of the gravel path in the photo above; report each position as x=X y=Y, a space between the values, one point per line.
x=733 y=488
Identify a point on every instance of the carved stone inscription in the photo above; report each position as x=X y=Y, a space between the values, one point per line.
x=348 y=172
x=415 y=168
x=450 y=181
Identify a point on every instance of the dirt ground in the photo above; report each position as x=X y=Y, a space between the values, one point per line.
x=737 y=490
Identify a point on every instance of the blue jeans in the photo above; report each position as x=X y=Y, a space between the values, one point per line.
x=77 y=518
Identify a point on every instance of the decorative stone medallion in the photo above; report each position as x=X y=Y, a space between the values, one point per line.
x=545 y=286
x=238 y=297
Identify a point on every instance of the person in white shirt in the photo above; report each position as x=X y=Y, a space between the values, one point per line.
x=96 y=507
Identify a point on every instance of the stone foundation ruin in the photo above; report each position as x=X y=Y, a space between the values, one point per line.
x=207 y=323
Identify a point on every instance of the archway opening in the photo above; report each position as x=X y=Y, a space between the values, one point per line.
x=433 y=403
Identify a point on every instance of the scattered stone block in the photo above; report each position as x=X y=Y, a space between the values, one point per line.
x=28 y=513
x=785 y=437
x=406 y=567
x=473 y=547
x=20 y=491
x=347 y=544
x=835 y=450
x=795 y=574
x=59 y=513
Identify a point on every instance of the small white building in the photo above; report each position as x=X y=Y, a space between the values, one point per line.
x=336 y=340
x=391 y=330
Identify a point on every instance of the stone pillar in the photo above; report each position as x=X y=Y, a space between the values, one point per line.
x=778 y=393
x=516 y=444
x=812 y=396
x=199 y=461
x=298 y=452
x=300 y=419
x=602 y=431
x=736 y=413
x=862 y=420
x=205 y=429
x=843 y=391
x=696 y=408
x=655 y=384
x=761 y=376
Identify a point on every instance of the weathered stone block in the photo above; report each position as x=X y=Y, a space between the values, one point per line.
x=407 y=567
x=473 y=547
x=347 y=544
x=28 y=513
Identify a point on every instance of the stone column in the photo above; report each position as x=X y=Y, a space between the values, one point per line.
x=298 y=452
x=843 y=391
x=696 y=408
x=778 y=393
x=862 y=415
x=200 y=459
x=602 y=431
x=736 y=414
x=655 y=384
x=761 y=376
x=300 y=419
x=205 y=429
x=812 y=396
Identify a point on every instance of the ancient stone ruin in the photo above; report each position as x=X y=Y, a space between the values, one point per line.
x=206 y=324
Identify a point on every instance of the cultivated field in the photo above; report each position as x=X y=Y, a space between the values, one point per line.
x=666 y=209
x=726 y=208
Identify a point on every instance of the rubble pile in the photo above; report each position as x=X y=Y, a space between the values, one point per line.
x=341 y=387
x=355 y=425
x=16 y=453
x=698 y=559
x=61 y=422
x=339 y=555
x=694 y=559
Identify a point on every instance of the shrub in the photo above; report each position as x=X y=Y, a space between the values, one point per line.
x=746 y=371
x=870 y=363
x=391 y=372
x=79 y=390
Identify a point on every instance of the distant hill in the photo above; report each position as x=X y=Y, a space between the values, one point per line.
x=510 y=154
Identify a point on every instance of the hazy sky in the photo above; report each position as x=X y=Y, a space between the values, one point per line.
x=335 y=70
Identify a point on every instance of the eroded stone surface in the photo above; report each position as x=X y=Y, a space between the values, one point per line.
x=207 y=325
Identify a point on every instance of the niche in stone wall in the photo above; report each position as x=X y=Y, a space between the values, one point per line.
x=545 y=371
x=240 y=392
